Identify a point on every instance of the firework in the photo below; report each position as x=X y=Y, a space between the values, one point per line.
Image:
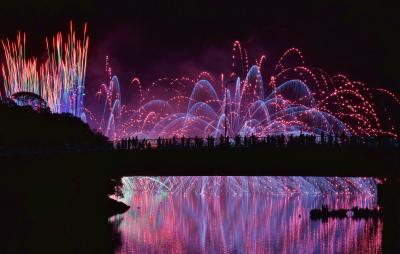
x=240 y=185
x=294 y=99
x=59 y=80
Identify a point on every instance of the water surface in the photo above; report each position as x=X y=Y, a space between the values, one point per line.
x=228 y=223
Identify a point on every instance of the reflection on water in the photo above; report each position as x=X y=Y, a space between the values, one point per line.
x=173 y=223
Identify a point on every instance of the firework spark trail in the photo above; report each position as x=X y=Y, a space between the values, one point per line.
x=240 y=185
x=19 y=74
x=295 y=99
x=59 y=80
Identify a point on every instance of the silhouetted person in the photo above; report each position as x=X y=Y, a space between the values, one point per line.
x=253 y=139
x=159 y=142
x=330 y=139
x=210 y=142
x=237 y=141
x=281 y=141
x=322 y=138
x=221 y=141
x=183 y=141
x=301 y=139
x=291 y=140
x=273 y=142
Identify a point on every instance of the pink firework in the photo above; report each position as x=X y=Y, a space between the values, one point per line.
x=295 y=98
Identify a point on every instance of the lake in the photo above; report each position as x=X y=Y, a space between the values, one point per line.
x=167 y=222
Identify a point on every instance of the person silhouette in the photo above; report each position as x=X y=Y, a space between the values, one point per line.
x=221 y=141
x=237 y=141
x=183 y=141
x=159 y=142
x=322 y=138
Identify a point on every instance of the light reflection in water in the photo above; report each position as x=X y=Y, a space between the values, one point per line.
x=177 y=223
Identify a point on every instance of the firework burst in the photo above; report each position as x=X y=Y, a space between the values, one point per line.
x=60 y=79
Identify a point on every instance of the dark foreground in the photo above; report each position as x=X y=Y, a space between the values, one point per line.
x=55 y=176
x=304 y=161
x=50 y=204
x=48 y=211
x=58 y=202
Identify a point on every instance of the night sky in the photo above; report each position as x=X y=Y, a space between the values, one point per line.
x=150 y=39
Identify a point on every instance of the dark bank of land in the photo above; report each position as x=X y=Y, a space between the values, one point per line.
x=56 y=175
x=53 y=206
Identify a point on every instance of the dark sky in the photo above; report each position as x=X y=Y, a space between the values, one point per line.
x=151 y=38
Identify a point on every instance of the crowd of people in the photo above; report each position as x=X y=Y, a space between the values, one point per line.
x=270 y=141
